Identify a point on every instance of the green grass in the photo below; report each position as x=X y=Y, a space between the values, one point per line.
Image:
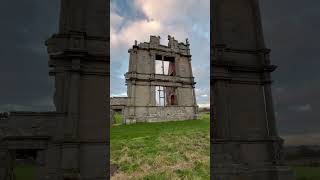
x=118 y=118
x=307 y=173
x=167 y=150
x=25 y=172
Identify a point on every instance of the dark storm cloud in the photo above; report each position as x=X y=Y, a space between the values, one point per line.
x=25 y=25
x=291 y=29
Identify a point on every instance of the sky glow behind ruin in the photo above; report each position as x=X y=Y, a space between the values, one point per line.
x=138 y=19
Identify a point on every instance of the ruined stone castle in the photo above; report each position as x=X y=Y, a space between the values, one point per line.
x=160 y=83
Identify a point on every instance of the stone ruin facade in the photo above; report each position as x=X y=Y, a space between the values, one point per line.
x=160 y=83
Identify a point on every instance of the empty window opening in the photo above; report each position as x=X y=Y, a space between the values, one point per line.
x=166 y=96
x=160 y=96
x=165 y=65
x=172 y=67
x=25 y=161
x=162 y=67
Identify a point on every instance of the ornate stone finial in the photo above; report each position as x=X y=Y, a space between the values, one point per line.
x=169 y=37
x=187 y=42
x=135 y=42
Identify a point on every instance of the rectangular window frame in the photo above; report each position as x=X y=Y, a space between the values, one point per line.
x=164 y=62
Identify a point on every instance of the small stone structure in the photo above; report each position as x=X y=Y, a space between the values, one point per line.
x=117 y=104
x=160 y=83
x=71 y=143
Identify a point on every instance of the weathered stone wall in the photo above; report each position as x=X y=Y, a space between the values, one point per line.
x=28 y=131
x=143 y=63
x=142 y=80
x=159 y=114
x=118 y=101
x=31 y=124
x=184 y=67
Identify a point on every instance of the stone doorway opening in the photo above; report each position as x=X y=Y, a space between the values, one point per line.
x=118 y=117
x=25 y=164
x=117 y=109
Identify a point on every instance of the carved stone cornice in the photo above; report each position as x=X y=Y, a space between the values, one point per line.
x=77 y=43
x=233 y=66
x=130 y=76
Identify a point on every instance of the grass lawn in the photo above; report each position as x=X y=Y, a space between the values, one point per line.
x=167 y=150
x=25 y=172
x=307 y=173
x=118 y=118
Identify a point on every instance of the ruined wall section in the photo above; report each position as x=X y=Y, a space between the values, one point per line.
x=118 y=101
x=142 y=80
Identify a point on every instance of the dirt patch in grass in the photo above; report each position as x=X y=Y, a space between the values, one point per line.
x=113 y=169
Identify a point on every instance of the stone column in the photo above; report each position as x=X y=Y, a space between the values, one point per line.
x=244 y=142
x=177 y=63
x=80 y=51
x=194 y=99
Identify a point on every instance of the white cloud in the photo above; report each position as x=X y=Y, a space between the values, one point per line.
x=116 y=20
x=302 y=139
x=202 y=91
x=138 y=30
x=173 y=11
x=302 y=108
x=203 y=96
x=279 y=90
x=141 y=31
x=123 y=94
x=176 y=18
x=204 y=105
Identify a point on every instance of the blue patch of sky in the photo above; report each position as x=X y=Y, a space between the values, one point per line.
x=126 y=9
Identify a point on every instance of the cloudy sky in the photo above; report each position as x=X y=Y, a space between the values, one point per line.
x=138 y=19
x=291 y=29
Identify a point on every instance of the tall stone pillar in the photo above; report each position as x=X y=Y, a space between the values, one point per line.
x=79 y=62
x=244 y=141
